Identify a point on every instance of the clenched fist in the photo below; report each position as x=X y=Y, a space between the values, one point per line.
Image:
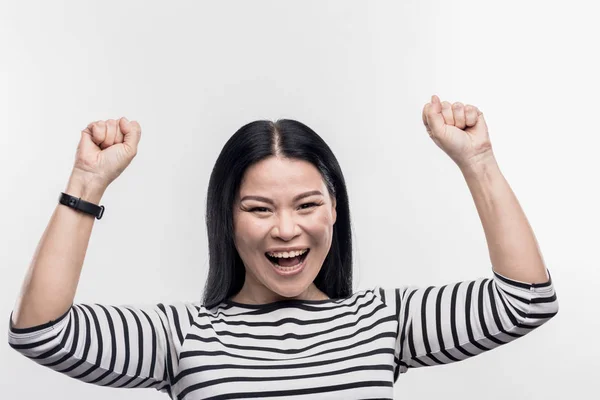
x=460 y=131
x=106 y=148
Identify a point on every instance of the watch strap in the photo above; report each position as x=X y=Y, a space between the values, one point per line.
x=81 y=205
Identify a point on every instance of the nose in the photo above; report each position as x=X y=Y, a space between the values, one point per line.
x=285 y=227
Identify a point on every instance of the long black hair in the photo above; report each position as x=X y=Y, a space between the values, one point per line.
x=252 y=143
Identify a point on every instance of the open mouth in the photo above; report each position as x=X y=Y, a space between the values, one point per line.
x=287 y=262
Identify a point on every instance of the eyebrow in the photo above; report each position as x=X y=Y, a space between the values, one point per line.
x=267 y=200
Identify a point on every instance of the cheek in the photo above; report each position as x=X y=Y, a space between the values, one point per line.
x=247 y=229
x=244 y=233
x=320 y=227
x=250 y=235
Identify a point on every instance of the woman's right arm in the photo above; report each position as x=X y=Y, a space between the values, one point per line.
x=104 y=151
x=50 y=284
x=106 y=345
x=119 y=346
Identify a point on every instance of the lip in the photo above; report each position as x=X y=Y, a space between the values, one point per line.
x=282 y=249
x=290 y=273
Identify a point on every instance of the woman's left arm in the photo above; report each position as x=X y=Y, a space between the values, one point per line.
x=513 y=248
x=444 y=324
x=462 y=133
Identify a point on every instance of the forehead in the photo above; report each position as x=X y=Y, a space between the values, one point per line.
x=274 y=173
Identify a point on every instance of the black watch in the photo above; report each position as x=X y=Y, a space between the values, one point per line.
x=81 y=205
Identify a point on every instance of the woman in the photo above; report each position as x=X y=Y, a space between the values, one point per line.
x=278 y=318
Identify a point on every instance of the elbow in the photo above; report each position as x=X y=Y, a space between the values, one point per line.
x=37 y=340
x=541 y=310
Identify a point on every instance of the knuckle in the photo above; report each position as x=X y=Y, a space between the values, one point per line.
x=99 y=128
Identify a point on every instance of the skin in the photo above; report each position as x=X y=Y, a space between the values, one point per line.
x=259 y=226
x=462 y=133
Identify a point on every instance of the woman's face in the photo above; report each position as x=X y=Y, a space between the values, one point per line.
x=260 y=226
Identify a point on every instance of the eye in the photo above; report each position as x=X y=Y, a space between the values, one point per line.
x=259 y=209
x=309 y=204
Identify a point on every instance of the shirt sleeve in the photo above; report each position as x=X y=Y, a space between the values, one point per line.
x=444 y=324
x=116 y=346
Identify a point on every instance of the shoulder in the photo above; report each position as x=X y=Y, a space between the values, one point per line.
x=387 y=295
x=377 y=292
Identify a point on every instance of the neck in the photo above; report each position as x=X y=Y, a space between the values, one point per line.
x=248 y=296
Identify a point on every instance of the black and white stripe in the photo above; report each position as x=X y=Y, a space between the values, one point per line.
x=449 y=323
x=344 y=348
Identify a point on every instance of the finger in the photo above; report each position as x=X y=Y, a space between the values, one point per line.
x=111 y=132
x=471 y=115
x=98 y=130
x=435 y=120
x=90 y=128
x=424 y=115
x=447 y=113
x=119 y=137
x=86 y=143
x=132 y=133
x=459 y=115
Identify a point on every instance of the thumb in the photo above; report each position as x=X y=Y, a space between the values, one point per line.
x=132 y=132
x=433 y=118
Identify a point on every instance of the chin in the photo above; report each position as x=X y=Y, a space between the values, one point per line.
x=290 y=291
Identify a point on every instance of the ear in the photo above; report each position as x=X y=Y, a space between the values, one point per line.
x=333 y=210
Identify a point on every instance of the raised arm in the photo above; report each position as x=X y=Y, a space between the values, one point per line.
x=105 y=149
x=50 y=284
x=122 y=346
x=444 y=324
x=462 y=133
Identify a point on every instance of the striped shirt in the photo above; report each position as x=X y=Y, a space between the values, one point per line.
x=350 y=348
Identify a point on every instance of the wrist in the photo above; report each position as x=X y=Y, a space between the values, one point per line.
x=85 y=187
x=480 y=164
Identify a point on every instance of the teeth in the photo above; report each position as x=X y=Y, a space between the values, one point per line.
x=287 y=268
x=288 y=254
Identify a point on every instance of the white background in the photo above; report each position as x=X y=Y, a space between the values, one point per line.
x=359 y=74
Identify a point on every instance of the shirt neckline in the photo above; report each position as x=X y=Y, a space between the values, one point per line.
x=282 y=303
